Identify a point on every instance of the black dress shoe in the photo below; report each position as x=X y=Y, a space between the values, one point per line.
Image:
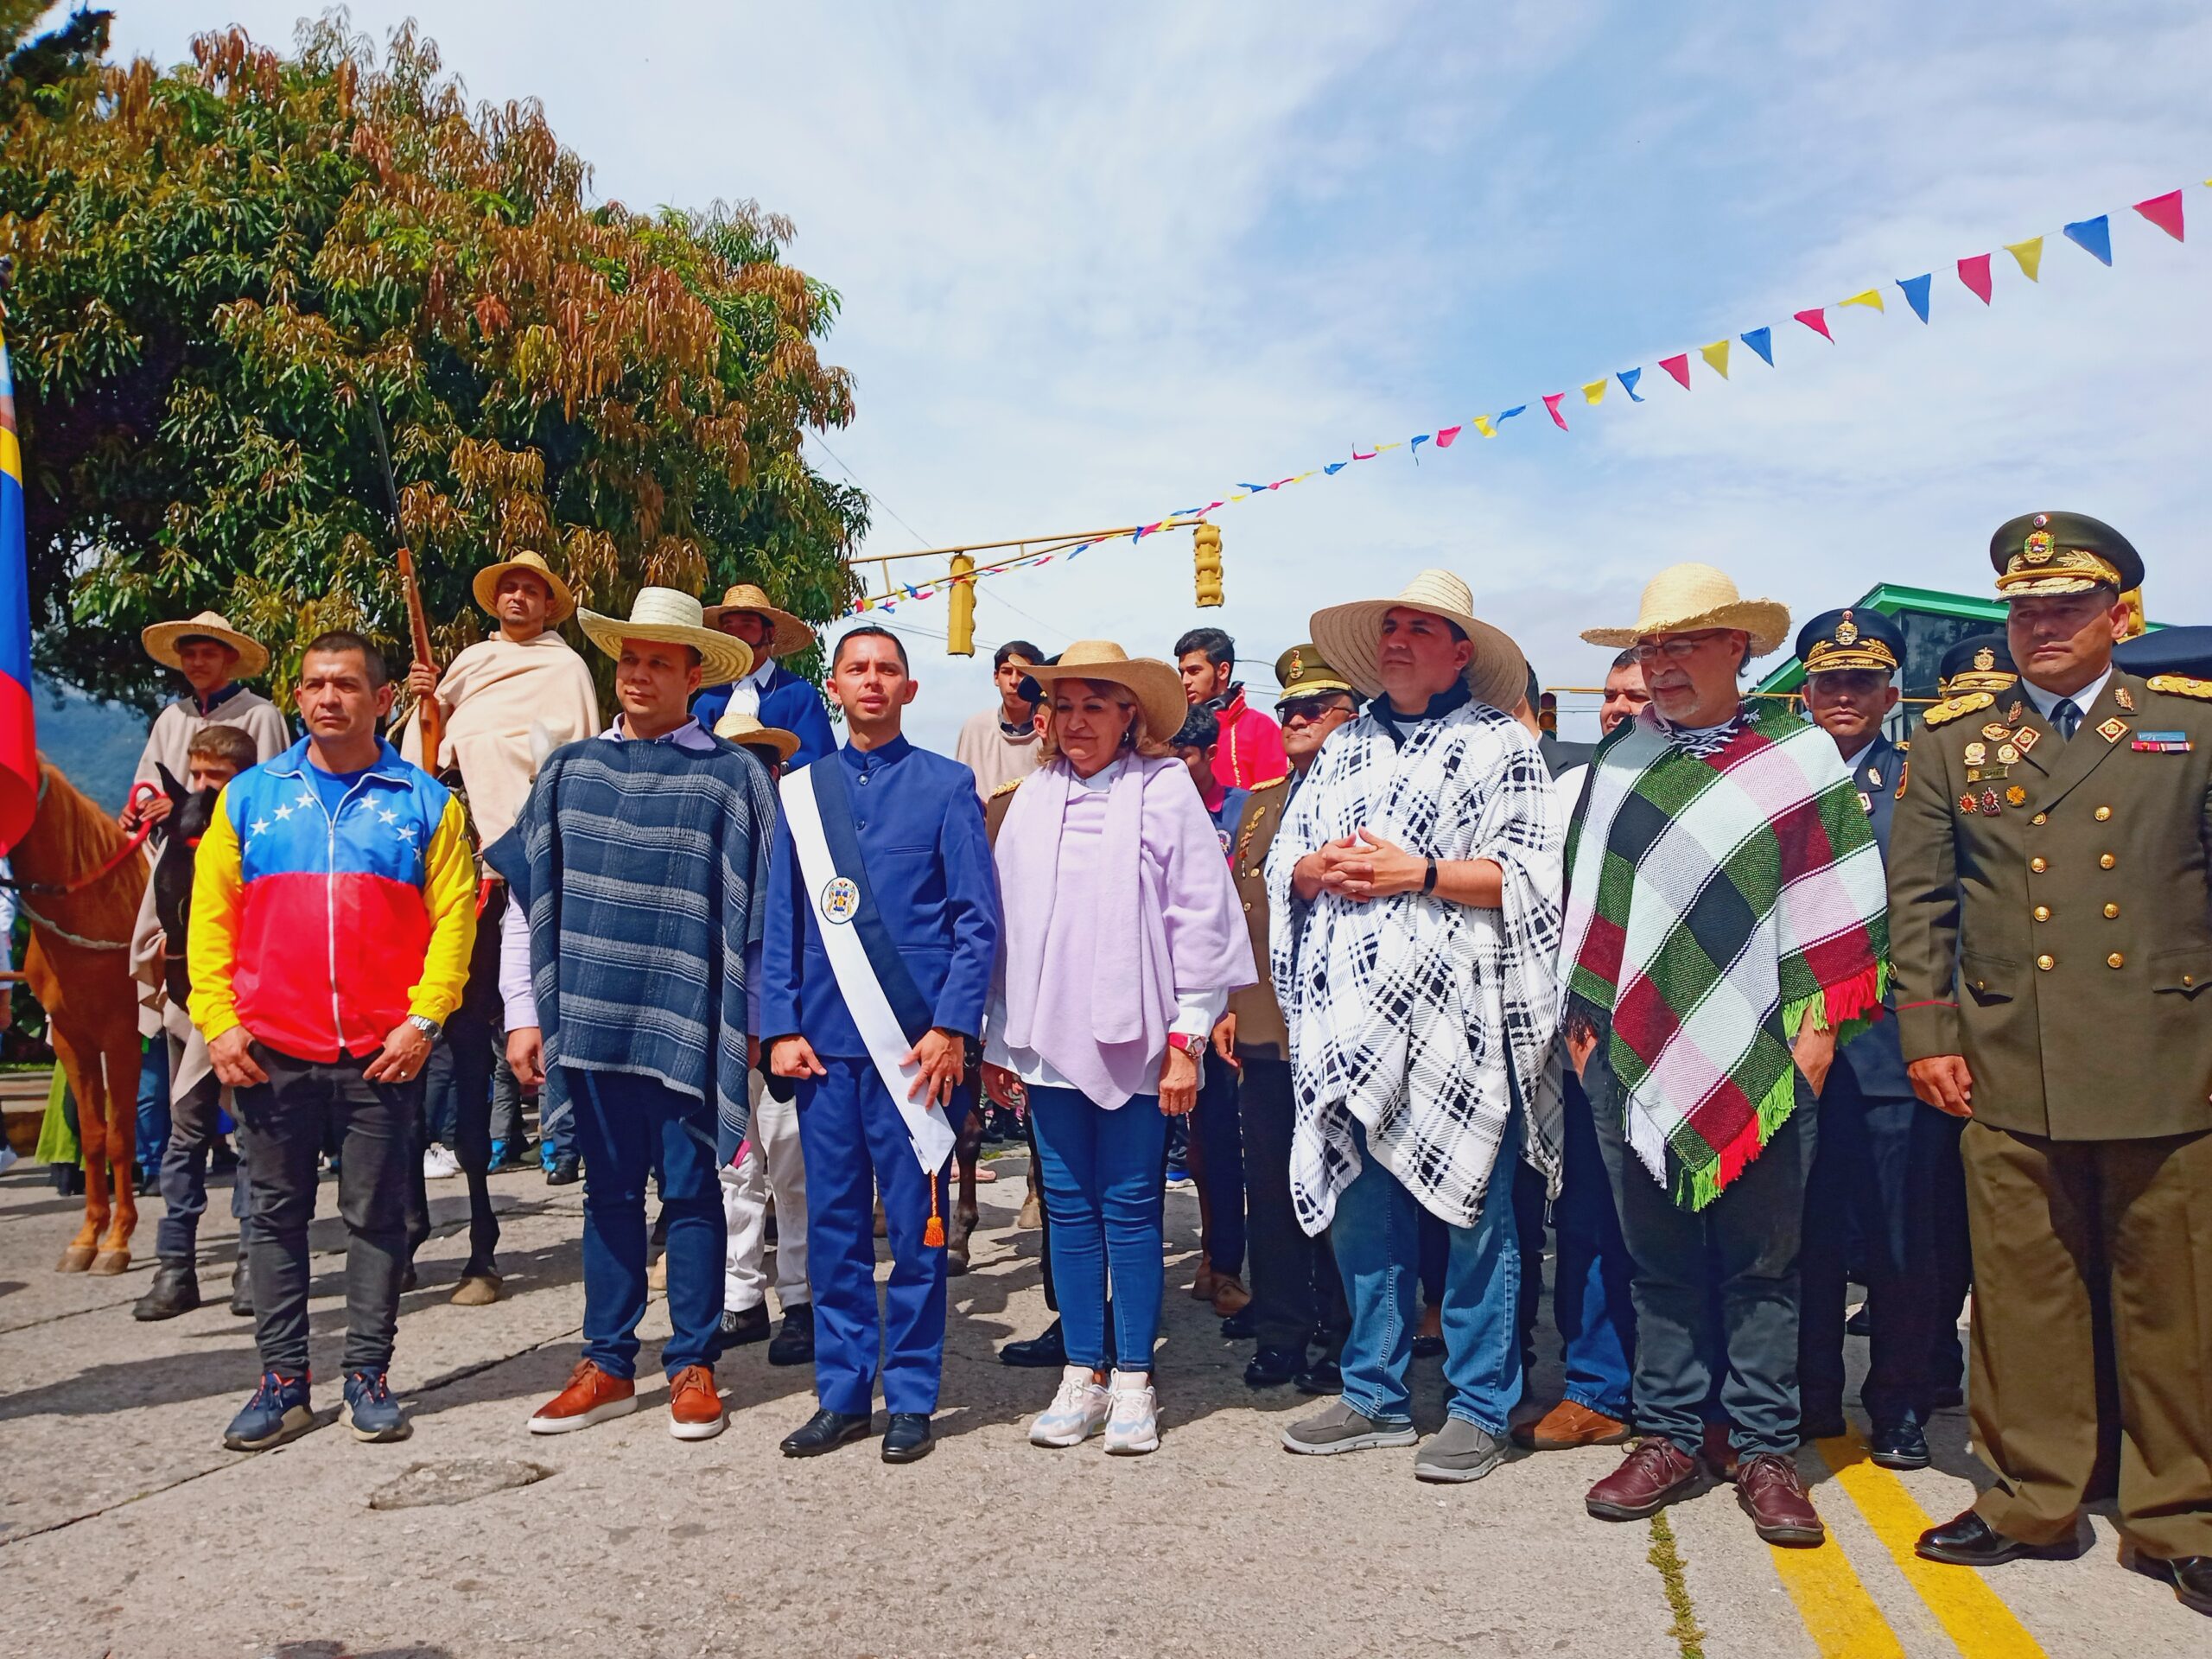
x=1428 y=1347
x=175 y=1290
x=794 y=1343
x=1047 y=1352
x=1273 y=1367
x=744 y=1325
x=1821 y=1423
x=907 y=1438
x=565 y=1172
x=408 y=1281
x=2190 y=1576
x=1898 y=1445
x=1969 y=1540
x=825 y=1431
x=1325 y=1376
x=1238 y=1326
x=241 y=1290
x=1860 y=1324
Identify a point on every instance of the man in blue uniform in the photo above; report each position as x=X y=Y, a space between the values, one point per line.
x=1885 y=1159
x=883 y=929
x=771 y=694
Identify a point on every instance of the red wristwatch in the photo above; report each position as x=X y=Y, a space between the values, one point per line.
x=1189 y=1045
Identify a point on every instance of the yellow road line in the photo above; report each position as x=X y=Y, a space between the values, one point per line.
x=1973 y=1615
x=1839 y=1616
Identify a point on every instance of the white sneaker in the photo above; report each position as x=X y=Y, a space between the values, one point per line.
x=1077 y=1411
x=8 y=1156
x=1133 y=1426
x=438 y=1164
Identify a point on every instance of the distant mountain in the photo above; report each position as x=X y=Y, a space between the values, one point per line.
x=96 y=744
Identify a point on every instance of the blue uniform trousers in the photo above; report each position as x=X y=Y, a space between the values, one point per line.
x=855 y=1144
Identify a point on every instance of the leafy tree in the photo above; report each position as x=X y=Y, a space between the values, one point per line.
x=222 y=269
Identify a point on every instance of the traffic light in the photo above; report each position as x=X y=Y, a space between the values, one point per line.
x=960 y=620
x=1205 y=556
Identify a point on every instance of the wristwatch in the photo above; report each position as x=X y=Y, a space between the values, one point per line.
x=427 y=1027
x=1194 y=1046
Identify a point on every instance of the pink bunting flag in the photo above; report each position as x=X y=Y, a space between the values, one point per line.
x=1356 y=455
x=1679 y=367
x=1816 y=320
x=2164 y=212
x=1974 y=273
x=1445 y=435
x=1551 y=403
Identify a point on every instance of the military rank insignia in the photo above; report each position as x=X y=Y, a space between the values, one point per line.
x=1989 y=805
x=1968 y=805
x=2125 y=698
x=1997 y=729
x=2016 y=795
x=2027 y=737
x=2112 y=730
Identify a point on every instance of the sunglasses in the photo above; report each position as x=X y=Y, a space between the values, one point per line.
x=1308 y=709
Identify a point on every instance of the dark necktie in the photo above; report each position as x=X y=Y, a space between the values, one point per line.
x=2066 y=717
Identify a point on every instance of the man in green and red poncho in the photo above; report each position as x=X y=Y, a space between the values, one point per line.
x=1726 y=926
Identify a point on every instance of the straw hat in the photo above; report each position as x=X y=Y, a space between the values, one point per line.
x=791 y=633
x=1350 y=637
x=747 y=733
x=161 y=642
x=1684 y=598
x=671 y=617
x=487 y=583
x=1161 y=706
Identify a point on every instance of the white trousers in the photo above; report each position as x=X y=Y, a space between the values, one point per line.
x=772 y=1163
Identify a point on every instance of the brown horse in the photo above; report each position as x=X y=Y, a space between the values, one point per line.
x=79 y=968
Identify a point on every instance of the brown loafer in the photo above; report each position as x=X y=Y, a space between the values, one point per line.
x=1568 y=1424
x=1771 y=1493
x=1202 y=1285
x=1653 y=1476
x=1229 y=1295
x=592 y=1396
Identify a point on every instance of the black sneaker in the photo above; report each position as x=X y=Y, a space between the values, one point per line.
x=794 y=1343
x=744 y=1325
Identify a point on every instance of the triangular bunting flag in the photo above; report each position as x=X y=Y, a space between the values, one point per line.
x=1628 y=378
x=1679 y=367
x=1445 y=435
x=1508 y=414
x=1915 y=293
x=2092 y=236
x=1380 y=447
x=2164 y=212
x=1336 y=466
x=1717 y=355
x=1551 y=403
x=1419 y=439
x=1251 y=488
x=1482 y=425
x=1356 y=455
x=1816 y=320
x=1871 y=299
x=1595 y=391
x=1974 y=273
x=2030 y=254
x=1762 y=341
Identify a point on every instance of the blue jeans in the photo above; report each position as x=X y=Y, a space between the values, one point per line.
x=1377 y=1233
x=1101 y=1190
x=153 y=1130
x=626 y=1125
x=1592 y=1301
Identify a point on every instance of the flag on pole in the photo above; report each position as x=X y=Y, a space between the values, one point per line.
x=18 y=732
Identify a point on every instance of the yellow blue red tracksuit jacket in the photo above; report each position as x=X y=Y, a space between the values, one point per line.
x=319 y=931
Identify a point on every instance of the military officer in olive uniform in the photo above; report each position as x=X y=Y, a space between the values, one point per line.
x=2050 y=922
x=1296 y=1290
x=1981 y=662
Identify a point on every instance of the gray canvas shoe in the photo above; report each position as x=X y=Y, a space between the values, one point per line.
x=1338 y=1427
x=1458 y=1451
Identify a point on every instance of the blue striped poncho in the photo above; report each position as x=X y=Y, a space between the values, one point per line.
x=643 y=871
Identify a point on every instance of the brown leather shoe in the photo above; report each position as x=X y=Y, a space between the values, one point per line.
x=1770 y=1492
x=1568 y=1424
x=695 y=1405
x=1229 y=1295
x=592 y=1396
x=1653 y=1476
x=1202 y=1285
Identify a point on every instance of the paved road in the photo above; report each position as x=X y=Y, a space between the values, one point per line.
x=125 y=1529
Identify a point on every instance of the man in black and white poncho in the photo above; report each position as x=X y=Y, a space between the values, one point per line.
x=1415 y=890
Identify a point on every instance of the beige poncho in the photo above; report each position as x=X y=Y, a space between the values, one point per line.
x=494 y=692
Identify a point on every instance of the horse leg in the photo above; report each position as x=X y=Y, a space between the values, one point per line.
x=123 y=1061
x=966 y=1151
x=91 y=1144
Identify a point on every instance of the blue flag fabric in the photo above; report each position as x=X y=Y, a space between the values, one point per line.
x=2092 y=236
x=1762 y=341
x=1915 y=293
x=1628 y=378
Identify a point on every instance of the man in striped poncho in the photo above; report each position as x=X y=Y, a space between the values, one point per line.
x=1726 y=926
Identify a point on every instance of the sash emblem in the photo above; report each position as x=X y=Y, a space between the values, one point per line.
x=841 y=899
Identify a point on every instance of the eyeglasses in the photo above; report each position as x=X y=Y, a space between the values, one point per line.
x=1680 y=648
x=1309 y=708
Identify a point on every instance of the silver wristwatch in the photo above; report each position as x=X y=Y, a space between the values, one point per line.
x=427 y=1027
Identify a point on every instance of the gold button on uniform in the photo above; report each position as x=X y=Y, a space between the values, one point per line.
x=2043 y=913
x=2111 y=910
x=2106 y=861
x=2103 y=812
x=2038 y=866
x=2040 y=817
x=2046 y=962
x=2115 y=959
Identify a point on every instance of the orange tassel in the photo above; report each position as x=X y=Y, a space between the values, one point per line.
x=933 y=1234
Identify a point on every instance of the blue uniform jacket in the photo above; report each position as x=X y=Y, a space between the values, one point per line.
x=920 y=829
x=1877 y=1061
x=790 y=702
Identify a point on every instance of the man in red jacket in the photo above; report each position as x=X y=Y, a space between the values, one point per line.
x=1251 y=744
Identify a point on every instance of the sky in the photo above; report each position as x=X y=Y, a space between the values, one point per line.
x=1097 y=267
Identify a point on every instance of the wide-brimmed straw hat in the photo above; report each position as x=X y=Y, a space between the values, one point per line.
x=564 y=599
x=1161 y=705
x=792 y=634
x=1350 y=636
x=747 y=733
x=161 y=642
x=1684 y=598
x=671 y=617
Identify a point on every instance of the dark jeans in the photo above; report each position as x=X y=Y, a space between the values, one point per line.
x=1892 y=1165
x=1742 y=1248
x=507 y=1094
x=1591 y=1302
x=192 y=1117
x=627 y=1128
x=150 y=1138
x=284 y=1124
x=1220 y=1166
x=466 y=1053
x=1297 y=1292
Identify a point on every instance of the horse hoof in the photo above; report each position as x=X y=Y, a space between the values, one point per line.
x=108 y=1263
x=955 y=1265
x=75 y=1259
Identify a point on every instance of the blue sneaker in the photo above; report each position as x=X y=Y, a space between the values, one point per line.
x=1178 y=1178
x=279 y=1412
x=370 y=1411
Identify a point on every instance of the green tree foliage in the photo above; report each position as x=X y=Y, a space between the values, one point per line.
x=221 y=266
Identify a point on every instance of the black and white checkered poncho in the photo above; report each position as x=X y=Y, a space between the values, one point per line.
x=1424 y=1019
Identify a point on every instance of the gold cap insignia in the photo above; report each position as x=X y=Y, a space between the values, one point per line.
x=1297 y=667
x=2039 y=547
x=1847 y=632
x=1985 y=659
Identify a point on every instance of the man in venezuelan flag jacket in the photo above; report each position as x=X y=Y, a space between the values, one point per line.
x=333 y=914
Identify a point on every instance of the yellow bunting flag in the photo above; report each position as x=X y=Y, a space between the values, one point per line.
x=1593 y=391
x=2030 y=254
x=1871 y=298
x=1482 y=425
x=1380 y=447
x=1717 y=355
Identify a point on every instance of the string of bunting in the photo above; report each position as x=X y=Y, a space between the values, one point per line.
x=1976 y=273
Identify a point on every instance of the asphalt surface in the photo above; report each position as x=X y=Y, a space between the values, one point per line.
x=126 y=1529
